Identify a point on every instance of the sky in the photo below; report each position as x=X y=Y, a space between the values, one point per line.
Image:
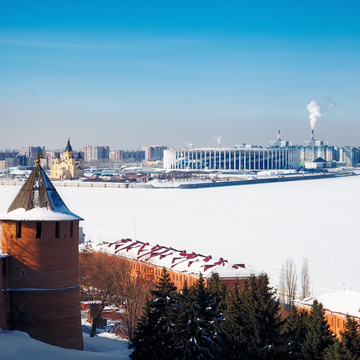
x=132 y=73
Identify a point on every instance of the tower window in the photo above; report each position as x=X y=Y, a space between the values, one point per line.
x=38 y=230
x=57 y=229
x=72 y=229
x=18 y=229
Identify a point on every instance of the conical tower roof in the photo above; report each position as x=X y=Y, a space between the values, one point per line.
x=38 y=200
x=68 y=146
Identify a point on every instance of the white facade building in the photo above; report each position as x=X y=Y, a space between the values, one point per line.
x=311 y=153
x=242 y=159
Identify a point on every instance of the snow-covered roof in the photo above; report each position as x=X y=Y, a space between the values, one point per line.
x=320 y=159
x=38 y=200
x=343 y=302
x=180 y=261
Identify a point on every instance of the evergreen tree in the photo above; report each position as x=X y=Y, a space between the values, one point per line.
x=231 y=328
x=294 y=332
x=153 y=338
x=217 y=291
x=145 y=340
x=194 y=334
x=261 y=322
x=348 y=348
x=318 y=337
x=183 y=328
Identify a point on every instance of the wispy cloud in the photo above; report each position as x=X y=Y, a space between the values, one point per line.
x=41 y=44
x=116 y=42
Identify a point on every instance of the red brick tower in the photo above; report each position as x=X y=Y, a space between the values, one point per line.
x=40 y=235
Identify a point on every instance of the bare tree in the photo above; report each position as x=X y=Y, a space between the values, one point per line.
x=132 y=299
x=305 y=279
x=108 y=278
x=291 y=279
x=288 y=282
x=100 y=277
x=282 y=286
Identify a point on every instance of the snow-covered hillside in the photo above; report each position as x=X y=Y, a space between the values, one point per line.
x=20 y=346
x=259 y=225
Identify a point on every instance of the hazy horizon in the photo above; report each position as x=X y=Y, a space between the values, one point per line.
x=131 y=74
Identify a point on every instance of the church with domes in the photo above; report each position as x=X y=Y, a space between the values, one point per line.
x=67 y=167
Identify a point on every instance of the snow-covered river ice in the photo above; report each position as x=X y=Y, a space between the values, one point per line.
x=260 y=225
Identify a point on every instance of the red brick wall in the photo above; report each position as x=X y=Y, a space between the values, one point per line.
x=49 y=316
x=230 y=283
x=3 y=319
x=153 y=273
x=44 y=263
x=47 y=262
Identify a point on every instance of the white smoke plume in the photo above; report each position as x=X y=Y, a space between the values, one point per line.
x=218 y=138
x=316 y=110
x=315 y=113
x=326 y=103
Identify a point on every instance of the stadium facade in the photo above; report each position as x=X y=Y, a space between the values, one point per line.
x=237 y=159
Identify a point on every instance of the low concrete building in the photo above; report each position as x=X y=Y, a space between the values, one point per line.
x=318 y=163
x=336 y=305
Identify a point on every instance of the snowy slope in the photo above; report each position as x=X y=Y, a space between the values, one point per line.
x=20 y=346
x=259 y=225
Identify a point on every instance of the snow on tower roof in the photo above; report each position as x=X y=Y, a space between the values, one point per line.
x=180 y=261
x=38 y=200
x=342 y=302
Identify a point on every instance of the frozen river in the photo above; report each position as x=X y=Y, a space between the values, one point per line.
x=260 y=225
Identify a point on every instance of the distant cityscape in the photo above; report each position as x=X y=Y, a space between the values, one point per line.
x=280 y=154
x=92 y=155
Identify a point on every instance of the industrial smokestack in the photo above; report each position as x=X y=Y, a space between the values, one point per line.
x=278 y=135
x=312 y=135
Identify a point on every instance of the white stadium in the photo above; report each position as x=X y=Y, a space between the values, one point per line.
x=242 y=159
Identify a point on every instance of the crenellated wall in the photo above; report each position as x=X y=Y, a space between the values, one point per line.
x=153 y=272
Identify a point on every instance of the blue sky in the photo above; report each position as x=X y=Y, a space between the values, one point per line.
x=127 y=74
